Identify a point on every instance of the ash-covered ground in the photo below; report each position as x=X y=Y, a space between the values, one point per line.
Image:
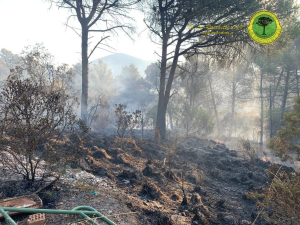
x=197 y=181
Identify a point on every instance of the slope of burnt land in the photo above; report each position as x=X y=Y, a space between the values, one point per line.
x=198 y=181
x=156 y=180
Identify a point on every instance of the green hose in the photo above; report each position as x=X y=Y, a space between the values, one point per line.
x=96 y=213
x=75 y=211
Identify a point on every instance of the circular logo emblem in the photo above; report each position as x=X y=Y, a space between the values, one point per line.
x=264 y=27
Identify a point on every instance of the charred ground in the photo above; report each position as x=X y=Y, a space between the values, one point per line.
x=197 y=181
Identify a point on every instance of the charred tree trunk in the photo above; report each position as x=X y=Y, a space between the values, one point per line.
x=161 y=114
x=165 y=91
x=271 y=114
x=85 y=70
x=285 y=94
x=261 y=112
x=171 y=119
x=214 y=105
x=232 y=108
x=276 y=88
x=142 y=123
x=297 y=79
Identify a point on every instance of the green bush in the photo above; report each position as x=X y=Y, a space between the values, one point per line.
x=286 y=141
x=195 y=120
x=279 y=203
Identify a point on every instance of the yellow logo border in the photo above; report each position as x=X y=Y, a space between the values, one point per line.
x=264 y=41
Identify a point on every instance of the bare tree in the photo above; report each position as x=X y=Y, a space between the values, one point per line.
x=110 y=15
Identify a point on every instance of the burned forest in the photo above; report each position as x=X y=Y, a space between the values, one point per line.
x=150 y=112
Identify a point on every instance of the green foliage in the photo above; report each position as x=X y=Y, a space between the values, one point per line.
x=195 y=120
x=287 y=139
x=279 y=201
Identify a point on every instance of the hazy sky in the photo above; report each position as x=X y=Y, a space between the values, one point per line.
x=26 y=22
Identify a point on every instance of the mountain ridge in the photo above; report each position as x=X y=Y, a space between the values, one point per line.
x=117 y=61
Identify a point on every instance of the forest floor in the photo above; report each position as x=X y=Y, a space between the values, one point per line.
x=198 y=181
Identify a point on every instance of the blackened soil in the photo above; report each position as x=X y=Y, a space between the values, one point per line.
x=199 y=182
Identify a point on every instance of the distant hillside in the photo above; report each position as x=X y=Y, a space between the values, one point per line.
x=116 y=61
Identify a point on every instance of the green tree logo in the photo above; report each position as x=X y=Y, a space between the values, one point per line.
x=264 y=26
x=264 y=21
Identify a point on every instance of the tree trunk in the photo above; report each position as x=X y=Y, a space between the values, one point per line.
x=161 y=118
x=142 y=123
x=171 y=119
x=271 y=115
x=85 y=70
x=164 y=96
x=215 y=106
x=285 y=94
x=232 y=108
x=276 y=88
x=297 y=82
x=261 y=112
